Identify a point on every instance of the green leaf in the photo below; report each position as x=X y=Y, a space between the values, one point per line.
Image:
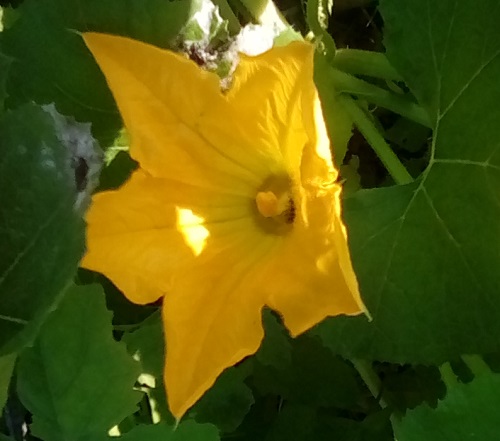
x=6 y=369
x=148 y=345
x=275 y=349
x=294 y=422
x=53 y=64
x=302 y=423
x=185 y=431
x=77 y=381
x=226 y=403
x=427 y=254
x=313 y=377
x=469 y=412
x=41 y=231
x=408 y=386
x=4 y=70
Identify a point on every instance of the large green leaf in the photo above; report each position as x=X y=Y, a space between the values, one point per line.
x=41 y=231
x=53 y=65
x=76 y=380
x=427 y=254
x=469 y=412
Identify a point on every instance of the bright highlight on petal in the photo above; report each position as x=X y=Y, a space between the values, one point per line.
x=191 y=227
x=235 y=205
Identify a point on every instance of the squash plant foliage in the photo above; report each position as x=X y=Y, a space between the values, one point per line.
x=310 y=227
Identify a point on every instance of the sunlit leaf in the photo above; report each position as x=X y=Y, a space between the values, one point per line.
x=427 y=253
x=76 y=380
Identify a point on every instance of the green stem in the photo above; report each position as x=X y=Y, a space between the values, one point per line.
x=375 y=139
x=370 y=378
x=359 y=62
x=476 y=364
x=317 y=19
x=376 y=95
x=227 y=13
x=448 y=376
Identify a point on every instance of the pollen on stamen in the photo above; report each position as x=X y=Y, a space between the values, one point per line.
x=267 y=203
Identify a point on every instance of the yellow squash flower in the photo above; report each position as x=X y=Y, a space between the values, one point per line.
x=234 y=205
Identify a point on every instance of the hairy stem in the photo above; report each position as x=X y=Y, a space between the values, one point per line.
x=317 y=19
x=448 y=376
x=376 y=140
x=370 y=378
x=227 y=13
x=476 y=364
x=376 y=95
x=359 y=62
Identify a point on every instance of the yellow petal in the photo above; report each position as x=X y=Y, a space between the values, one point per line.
x=268 y=89
x=163 y=98
x=313 y=276
x=306 y=280
x=137 y=238
x=212 y=316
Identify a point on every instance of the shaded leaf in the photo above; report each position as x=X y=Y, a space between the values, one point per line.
x=6 y=369
x=294 y=422
x=426 y=254
x=148 y=345
x=186 y=431
x=302 y=423
x=42 y=234
x=226 y=403
x=314 y=377
x=53 y=65
x=468 y=412
x=275 y=349
x=77 y=381
x=4 y=70
x=409 y=386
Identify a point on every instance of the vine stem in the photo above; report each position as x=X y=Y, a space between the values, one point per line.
x=360 y=62
x=376 y=140
x=448 y=376
x=476 y=364
x=317 y=19
x=370 y=378
x=227 y=13
x=347 y=83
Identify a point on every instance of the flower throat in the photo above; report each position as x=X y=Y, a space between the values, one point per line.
x=275 y=206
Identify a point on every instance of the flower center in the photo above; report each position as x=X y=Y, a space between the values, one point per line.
x=271 y=205
x=275 y=205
